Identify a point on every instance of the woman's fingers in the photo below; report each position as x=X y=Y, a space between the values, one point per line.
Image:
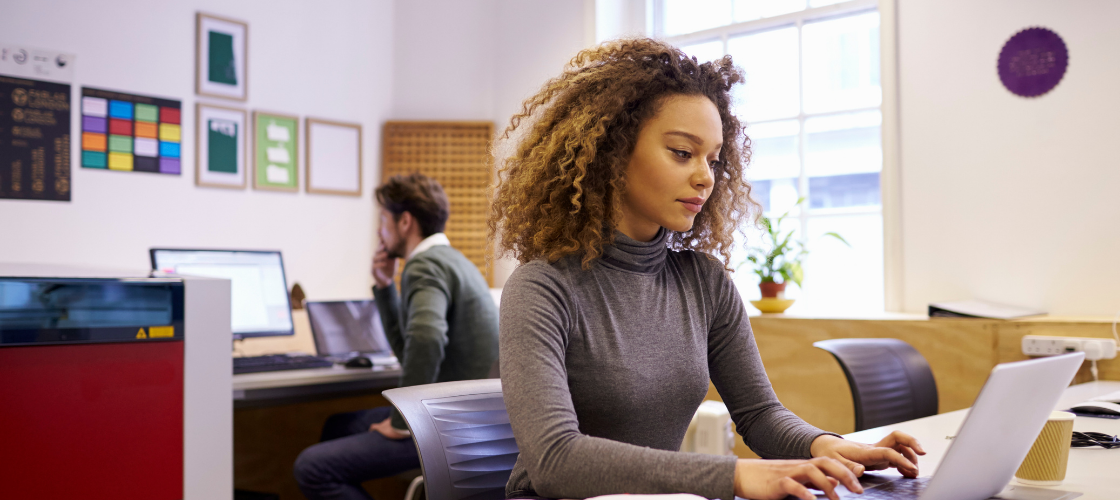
x=896 y=438
x=820 y=481
x=790 y=486
x=856 y=467
x=908 y=452
x=839 y=471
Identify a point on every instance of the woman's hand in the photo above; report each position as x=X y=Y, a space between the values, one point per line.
x=775 y=479
x=899 y=450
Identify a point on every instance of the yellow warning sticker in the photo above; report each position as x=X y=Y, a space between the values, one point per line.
x=162 y=332
x=141 y=334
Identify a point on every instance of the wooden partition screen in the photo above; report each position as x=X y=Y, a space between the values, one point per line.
x=457 y=154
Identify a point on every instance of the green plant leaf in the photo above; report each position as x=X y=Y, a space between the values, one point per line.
x=837 y=236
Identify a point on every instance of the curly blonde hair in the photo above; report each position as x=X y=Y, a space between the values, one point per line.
x=559 y=191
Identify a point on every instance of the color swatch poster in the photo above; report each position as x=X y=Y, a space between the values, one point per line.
x=275 y=156
x=130 y=133
x=34 y=140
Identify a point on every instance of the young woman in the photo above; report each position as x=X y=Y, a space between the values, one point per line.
x=628 y=176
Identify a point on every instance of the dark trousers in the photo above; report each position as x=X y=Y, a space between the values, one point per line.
x=349 y=454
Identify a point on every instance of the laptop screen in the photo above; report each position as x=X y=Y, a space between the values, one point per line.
x=343 y=328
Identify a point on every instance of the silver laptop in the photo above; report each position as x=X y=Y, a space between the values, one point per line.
x=346 y=329
x=994 y=439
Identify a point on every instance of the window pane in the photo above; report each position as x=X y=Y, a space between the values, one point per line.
x=687 y=16
x=843 y=159
x=842 y=280
x=746 y=10
x=774 y=150
x=769 y=60
x=707 y=51
x=842 y=63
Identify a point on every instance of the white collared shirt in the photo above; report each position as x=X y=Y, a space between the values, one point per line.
x=429 y=242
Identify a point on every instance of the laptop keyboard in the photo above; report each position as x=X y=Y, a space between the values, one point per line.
x=899 y=488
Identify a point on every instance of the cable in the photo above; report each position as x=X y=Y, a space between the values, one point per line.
x=1093 y=370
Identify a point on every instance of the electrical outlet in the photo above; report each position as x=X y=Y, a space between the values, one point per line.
x=1094 y=348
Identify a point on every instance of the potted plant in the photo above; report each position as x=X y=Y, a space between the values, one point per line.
x=778 y=262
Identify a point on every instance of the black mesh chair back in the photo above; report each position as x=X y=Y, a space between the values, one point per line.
x=890 y=381
x=463 y=435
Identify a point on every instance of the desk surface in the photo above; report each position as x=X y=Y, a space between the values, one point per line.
x=290 y=386
x=1091 y=471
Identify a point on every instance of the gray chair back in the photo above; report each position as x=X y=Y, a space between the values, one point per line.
x=462 y=433
x=891 y=382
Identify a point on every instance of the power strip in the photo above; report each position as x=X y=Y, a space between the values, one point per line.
x=1094 y=348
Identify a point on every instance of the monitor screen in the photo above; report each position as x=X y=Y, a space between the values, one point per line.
x=260 y=304
x=344 y=328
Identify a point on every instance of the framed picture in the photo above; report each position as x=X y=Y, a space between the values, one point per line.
x=223 y=51
x=221 y=146
x=275 y=151
x=334 y=157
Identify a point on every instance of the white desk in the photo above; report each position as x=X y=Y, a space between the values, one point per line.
x=1094 y=472
x=288 y=386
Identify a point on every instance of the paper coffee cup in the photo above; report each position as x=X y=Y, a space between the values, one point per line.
x=1045 y=464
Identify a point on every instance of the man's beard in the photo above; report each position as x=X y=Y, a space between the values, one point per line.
x=396 y=251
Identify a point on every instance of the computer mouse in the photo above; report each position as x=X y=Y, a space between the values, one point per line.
x=359 y=362
x=1098 y=407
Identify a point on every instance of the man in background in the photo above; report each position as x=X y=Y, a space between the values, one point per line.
x=443 y=326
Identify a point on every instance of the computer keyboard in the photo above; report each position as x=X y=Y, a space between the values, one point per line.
x=276 y=362
x=896 y=490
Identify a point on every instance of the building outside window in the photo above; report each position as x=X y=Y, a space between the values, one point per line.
x=811 y=103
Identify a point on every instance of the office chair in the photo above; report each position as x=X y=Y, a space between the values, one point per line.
x=463 y=435
x=890 y=381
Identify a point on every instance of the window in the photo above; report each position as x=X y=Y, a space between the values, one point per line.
x=811 y=102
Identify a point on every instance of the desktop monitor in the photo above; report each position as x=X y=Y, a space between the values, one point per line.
x=347 y=328
x=259 y=292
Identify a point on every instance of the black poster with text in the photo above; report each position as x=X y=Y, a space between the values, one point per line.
x=34 y=140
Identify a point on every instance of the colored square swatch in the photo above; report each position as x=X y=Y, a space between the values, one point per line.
x=169 y=115
x=120 y=144
x=93 y=159
x=147 y=113
x=120 y=127
x=93 y=142
x=169 y=149
x=169 y=165
x=95 y=106
x=145 y=164
x=94 y=124
x=145 y=129
x=168 y=132
x=120 y=161
x=145 y=147
x=120 y=109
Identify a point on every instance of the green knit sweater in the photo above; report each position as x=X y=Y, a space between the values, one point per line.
x=443 y=326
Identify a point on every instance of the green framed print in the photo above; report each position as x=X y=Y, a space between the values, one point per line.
x=221 y=57
x=221 y=151
x=275 y=152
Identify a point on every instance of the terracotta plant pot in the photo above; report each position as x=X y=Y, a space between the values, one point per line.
x=771 y=290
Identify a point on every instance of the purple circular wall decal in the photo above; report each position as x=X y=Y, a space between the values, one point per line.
x=1032 y=62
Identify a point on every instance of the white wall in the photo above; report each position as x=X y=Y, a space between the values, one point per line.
x=1004 y=198
x=479 y=60
x=324 y=59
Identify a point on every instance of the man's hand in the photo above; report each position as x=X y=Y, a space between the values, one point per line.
x=776 y=479
x=384 y=268
x=899 y=450
x=385 y=428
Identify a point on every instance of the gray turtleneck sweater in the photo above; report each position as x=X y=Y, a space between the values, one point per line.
x=602 y=370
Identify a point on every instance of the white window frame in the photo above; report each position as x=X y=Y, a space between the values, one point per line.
x=889 y=185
